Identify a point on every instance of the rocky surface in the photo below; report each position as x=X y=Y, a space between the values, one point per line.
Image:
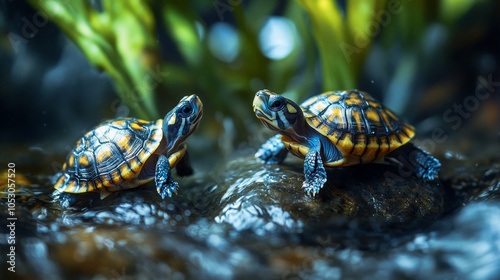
x=270 y=197
x=246 y=220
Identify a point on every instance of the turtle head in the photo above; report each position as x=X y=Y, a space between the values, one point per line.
x=279 y=113
x=182 y=121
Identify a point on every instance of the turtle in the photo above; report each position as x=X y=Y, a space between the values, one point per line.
x=124 y=153
x=335 y=129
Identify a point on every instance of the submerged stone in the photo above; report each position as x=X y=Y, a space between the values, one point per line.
x=265 y=198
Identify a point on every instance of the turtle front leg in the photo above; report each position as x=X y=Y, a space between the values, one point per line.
x=314 y=171
x=273 y=151
x=165 y=184
x=417 y=160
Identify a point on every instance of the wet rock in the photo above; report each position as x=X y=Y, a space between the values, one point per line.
x=114 y=252
x=243 y=220
x=463 y=247
x=469 y=180
x=470 y=168
x=266 y=198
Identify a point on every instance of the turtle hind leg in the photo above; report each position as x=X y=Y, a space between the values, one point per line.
x=273 y=151
x=165 y=184
x=417 y=160
x=314 y=172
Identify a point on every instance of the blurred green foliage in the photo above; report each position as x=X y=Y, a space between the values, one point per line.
x=341 y=59
x=151 y=74
x=119 y=40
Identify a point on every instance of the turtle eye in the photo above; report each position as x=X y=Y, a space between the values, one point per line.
x=277 y=104
x=185 y=111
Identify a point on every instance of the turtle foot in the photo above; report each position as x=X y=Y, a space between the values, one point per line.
x=312 y=188
x=314 y=172
x=428 y=166
x=418 y=161
x=168 y=189
x=165 y=184
x=273 y=151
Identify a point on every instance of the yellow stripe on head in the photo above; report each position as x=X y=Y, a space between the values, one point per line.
x=172 y=119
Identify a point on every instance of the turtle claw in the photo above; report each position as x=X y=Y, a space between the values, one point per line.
x=313 y=185
x=273 y=151
x=309 y=191
x=169 y=189
x=165 y=184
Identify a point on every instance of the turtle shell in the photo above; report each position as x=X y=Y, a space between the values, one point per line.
x=358 y=125
x=110 y=157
